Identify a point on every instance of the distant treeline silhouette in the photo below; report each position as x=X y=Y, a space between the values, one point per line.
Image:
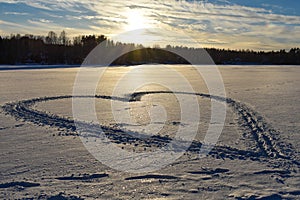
x=54 y=49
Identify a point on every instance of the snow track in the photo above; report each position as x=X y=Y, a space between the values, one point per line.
x=266 y=140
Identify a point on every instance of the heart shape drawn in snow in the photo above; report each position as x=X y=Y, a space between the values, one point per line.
x=267 y=141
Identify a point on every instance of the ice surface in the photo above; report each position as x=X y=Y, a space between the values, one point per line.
x=256 y=157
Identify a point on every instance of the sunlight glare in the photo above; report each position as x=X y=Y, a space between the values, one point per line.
x=136 y=20
x=137 y=28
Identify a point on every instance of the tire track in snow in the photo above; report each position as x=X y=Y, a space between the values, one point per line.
x=266 y=143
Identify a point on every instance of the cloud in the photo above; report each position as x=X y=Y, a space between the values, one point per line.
x=2 y=22
x=15 y=13
x=45 y=21
x=221 y=24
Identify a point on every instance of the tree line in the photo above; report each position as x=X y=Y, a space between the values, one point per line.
x=60 y=49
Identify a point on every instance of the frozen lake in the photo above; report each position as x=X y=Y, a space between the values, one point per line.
x=256 y=156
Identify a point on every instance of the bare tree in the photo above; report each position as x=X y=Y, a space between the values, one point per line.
x=52 y=38
x=63 y=38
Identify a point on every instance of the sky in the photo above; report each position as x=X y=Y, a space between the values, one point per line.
x=233 y=24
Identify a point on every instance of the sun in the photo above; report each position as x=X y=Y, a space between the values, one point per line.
x=138 y=28
x=136 y=20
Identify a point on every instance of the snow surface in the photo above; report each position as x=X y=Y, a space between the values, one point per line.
x=256 y=157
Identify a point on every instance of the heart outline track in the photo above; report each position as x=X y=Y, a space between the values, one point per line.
x=268 y=146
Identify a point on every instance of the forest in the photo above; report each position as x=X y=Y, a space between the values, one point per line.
x=59 y=49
